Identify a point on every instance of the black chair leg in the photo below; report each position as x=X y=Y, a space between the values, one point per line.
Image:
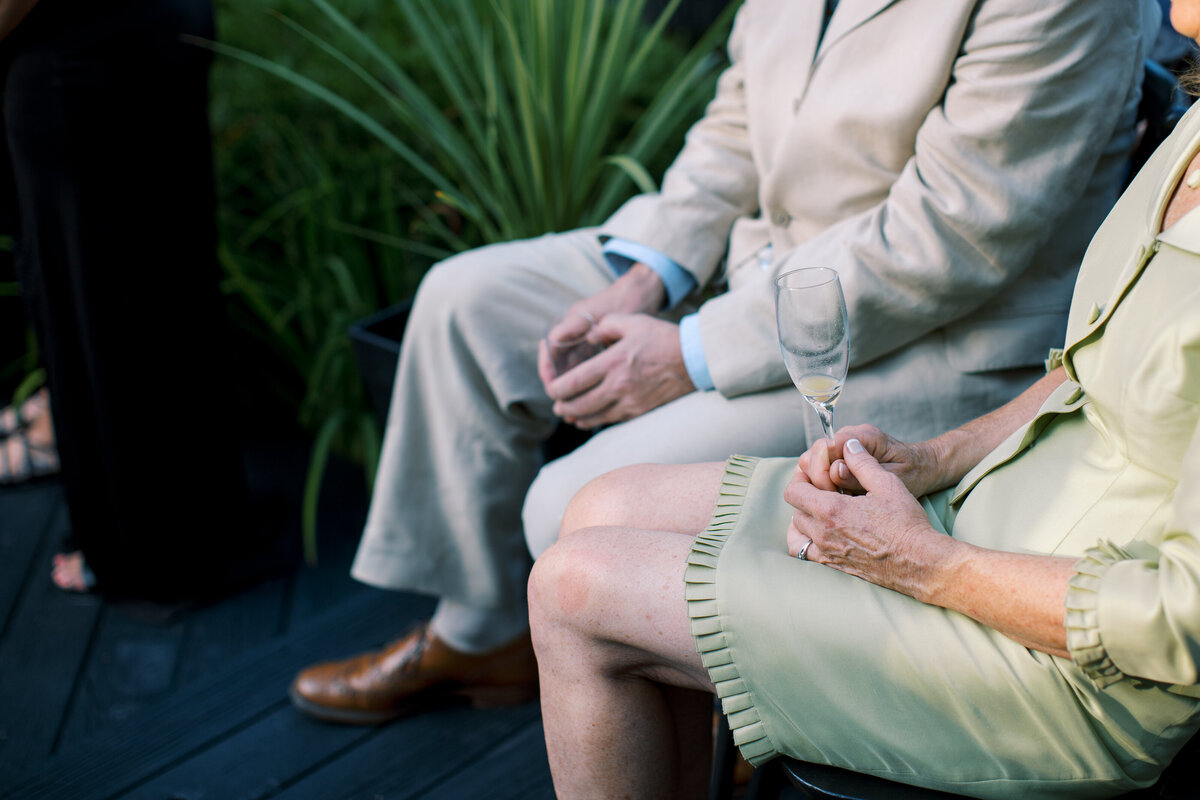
x=724 y=759
x=768 y=783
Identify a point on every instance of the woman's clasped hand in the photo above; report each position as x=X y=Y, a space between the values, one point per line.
x=861 y=512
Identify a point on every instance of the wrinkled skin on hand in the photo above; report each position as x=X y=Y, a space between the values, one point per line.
x=640 y=369
x=824 y=467
x=877 y=530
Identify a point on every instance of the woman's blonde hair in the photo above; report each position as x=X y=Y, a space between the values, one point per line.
x=1189 y=79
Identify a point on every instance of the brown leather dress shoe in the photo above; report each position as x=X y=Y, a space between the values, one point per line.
x=412 y=674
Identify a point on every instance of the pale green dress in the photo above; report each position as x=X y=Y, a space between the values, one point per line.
x=812 y=663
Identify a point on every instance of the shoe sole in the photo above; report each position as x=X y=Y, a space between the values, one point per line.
x=480 y=697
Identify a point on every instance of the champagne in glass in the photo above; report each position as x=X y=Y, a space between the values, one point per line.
x=810 y=311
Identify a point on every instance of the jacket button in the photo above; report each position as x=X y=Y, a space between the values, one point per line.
x=1093 y=313
x=781 y=219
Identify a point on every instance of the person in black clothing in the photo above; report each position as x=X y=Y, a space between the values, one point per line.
x=105 y=110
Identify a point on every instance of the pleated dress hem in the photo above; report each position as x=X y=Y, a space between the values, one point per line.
x=700 y=589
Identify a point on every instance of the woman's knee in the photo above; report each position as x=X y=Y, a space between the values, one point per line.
x=666 y=497
x=561 y=583
x=558 y=485
x=604 y=500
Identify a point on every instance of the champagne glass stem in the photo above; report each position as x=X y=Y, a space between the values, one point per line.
x=825 y=413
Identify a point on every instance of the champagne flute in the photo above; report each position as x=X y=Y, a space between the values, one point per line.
x=810 y=311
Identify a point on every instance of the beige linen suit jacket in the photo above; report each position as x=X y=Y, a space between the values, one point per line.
x=954 y=190
x=950 y=158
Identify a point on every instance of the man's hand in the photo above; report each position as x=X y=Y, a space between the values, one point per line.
x=641 y=369
x=638 y=291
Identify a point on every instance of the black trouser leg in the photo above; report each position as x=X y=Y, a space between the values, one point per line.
x=108 y=133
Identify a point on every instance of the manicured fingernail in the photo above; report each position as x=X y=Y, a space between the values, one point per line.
x=842 y=471
x=854 y=445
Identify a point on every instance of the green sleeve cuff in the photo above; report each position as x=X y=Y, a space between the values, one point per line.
x=1083 y=618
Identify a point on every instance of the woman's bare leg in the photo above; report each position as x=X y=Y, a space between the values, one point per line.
x=656 y=497
x=626 y=701
x=610 y=628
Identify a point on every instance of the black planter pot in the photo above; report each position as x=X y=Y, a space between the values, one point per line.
x=692 y=18
x=375 y=341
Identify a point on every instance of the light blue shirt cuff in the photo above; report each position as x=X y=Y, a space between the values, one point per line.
x=693 y=353
x=622 y=255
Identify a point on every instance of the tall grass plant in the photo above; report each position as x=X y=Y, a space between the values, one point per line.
x=459 y=123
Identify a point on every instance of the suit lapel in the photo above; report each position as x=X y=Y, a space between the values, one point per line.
x=848 y=16
x=792 y=61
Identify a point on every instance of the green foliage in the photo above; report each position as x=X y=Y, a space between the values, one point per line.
x=18 y=366
x=542 y=115
x=317 y=230
x=310 y=211
x=462 y=122
x=22 y=373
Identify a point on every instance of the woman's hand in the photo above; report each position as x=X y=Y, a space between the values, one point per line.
x=825 y=468
x=882 y=536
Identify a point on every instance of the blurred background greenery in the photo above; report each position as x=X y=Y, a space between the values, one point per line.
x=355 y=146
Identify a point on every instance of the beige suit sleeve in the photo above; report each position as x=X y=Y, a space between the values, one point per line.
x=1032 y=103
x=712 y=182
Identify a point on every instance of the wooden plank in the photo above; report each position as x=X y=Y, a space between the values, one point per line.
x=343 y=511
x=166 y=733
x=43 y=647
x=415 y=757
x=27 y=516
x=139 y=657
x=133 y=663
x=315 y=590
x=516 y=768
x=255 y=762
x=222 y=632
x=408 y=758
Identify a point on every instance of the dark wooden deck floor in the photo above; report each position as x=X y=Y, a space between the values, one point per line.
x=102 y=700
